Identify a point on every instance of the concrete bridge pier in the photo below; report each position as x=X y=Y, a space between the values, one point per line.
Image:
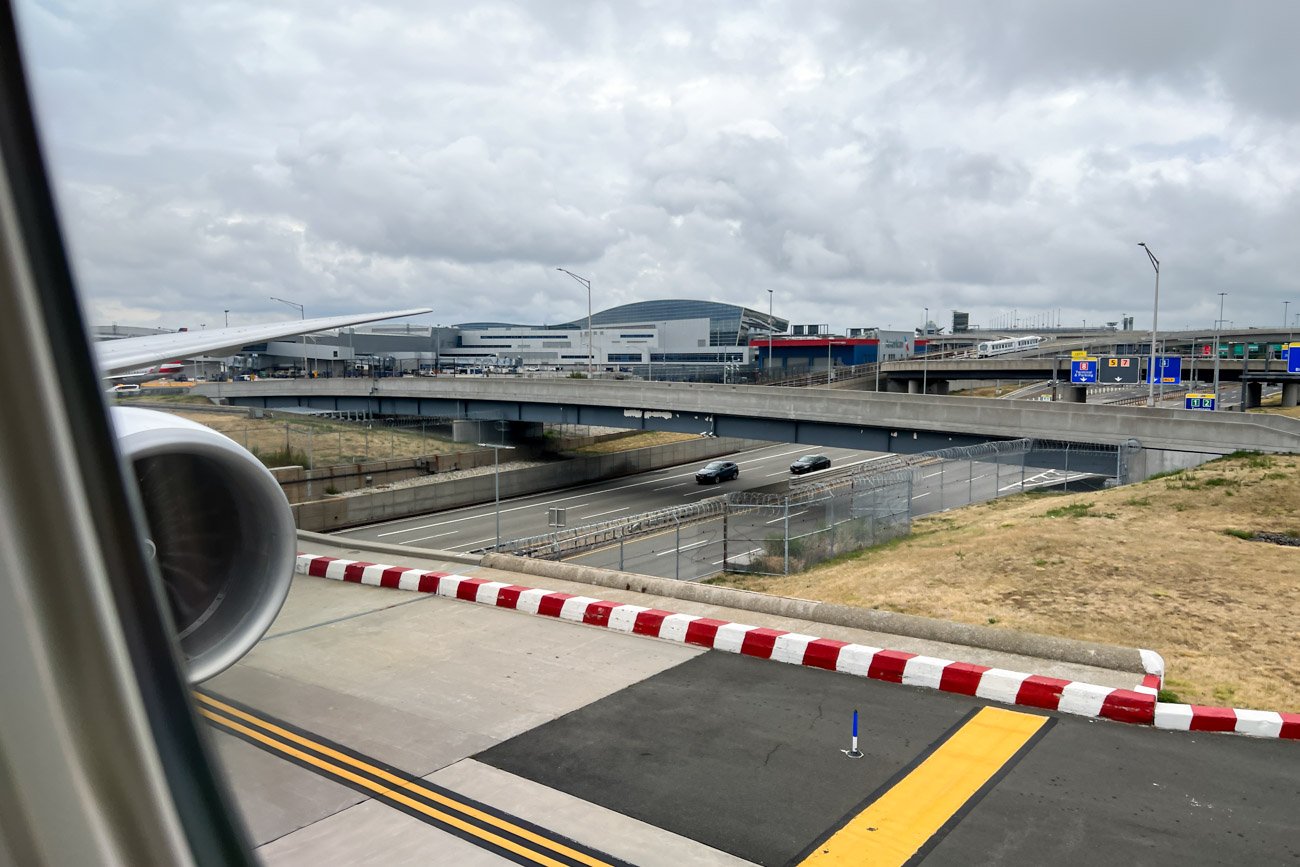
x=1076 y=394
x=1291 y=394
x=914 y=386
x=1251 y=395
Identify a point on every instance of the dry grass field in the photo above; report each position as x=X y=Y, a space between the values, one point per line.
x=1162 y=564
x=639 y=441
x=324 y=442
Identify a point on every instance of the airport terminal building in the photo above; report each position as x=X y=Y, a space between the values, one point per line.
x=665 y=339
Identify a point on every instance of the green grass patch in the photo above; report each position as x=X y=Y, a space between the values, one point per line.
x=1074 y=510
x=1240 y=534
x=1168 y=696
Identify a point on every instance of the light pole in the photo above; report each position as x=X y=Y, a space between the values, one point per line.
x=1155 y=313
x=925 y=362
x=585 y=282
x=496 y=482
x=828 y=358
x=302 y=314
x=1218 y=323
x=1285 y=306
x=227 y=312
x=769 y=328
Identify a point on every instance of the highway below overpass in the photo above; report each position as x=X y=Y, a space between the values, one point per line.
x=870 y=421
x=474 y=527
x=696 y=550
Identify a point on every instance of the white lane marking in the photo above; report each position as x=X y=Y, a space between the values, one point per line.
x=734 y=556
x=649 y=481
x=782 y=473
x=610 y=512
x=427 y=538
x=530 y=505
x=472 y=544
x=684 y=547
x=782 y=518
x=670 y=487
x=932 y=475
x=926 y=494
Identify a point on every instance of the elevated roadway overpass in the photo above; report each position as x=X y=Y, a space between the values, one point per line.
x=902 y=423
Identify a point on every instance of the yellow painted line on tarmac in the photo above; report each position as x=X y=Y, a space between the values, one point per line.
x=273 y=738
x=895 y=826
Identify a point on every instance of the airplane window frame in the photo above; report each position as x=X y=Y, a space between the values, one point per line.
x=35 y=244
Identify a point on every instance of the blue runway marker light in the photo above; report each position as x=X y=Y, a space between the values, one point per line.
x=854 y=752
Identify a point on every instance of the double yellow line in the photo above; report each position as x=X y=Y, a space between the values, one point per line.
x=477 y=823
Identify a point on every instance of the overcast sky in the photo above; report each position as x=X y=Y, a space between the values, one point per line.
x=861 y=160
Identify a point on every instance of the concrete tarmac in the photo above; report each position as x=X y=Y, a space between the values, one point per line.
x=659 y=753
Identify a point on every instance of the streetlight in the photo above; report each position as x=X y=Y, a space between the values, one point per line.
x=1285 y=306
x=227 y=312
x=585 y=282
x=1155 y=313
x=302 y=314
x=1218 y=323
x=925 y=362
x=496 y=484
x=769 y=328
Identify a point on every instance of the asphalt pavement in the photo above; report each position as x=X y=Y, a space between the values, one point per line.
x=660 y=753
x=473 y=527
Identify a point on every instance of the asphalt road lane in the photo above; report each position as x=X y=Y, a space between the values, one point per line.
x=745 y=756
x=474 y=527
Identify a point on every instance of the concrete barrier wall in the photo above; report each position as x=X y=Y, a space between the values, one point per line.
x=1005 y=640
x=992 y=638
x=301 y=485
x=335 y=513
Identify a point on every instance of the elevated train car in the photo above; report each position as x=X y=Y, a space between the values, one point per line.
x=986 y=348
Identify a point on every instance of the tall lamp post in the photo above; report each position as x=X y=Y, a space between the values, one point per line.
x=769 y=328
x=227 y=312
x=585 y=282
x=302 y=314
x=1218 y=323
x=496 y=483
x=925 y=362
x=1155 y=313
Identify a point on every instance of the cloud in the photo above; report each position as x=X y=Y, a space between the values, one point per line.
x=861 y=160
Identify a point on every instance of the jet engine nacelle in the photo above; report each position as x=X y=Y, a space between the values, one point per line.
x=220 y=529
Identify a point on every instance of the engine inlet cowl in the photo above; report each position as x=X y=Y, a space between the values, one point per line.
x=221 y=531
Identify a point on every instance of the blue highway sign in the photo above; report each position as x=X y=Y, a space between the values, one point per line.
x=1171 y=369
x=1083 y=371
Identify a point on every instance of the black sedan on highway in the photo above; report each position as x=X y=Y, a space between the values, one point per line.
x=718 y=471
x=808 y=463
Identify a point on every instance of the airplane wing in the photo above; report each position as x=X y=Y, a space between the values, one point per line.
x=129 y=353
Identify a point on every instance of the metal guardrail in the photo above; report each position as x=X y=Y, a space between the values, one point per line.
x=571 y=540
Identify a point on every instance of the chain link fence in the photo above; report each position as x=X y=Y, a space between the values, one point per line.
x=781 y=532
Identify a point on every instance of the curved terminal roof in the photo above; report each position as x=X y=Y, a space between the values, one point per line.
x=723 y=317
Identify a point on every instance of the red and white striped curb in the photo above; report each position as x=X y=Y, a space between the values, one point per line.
x=1256 y=723
x=896 y=666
